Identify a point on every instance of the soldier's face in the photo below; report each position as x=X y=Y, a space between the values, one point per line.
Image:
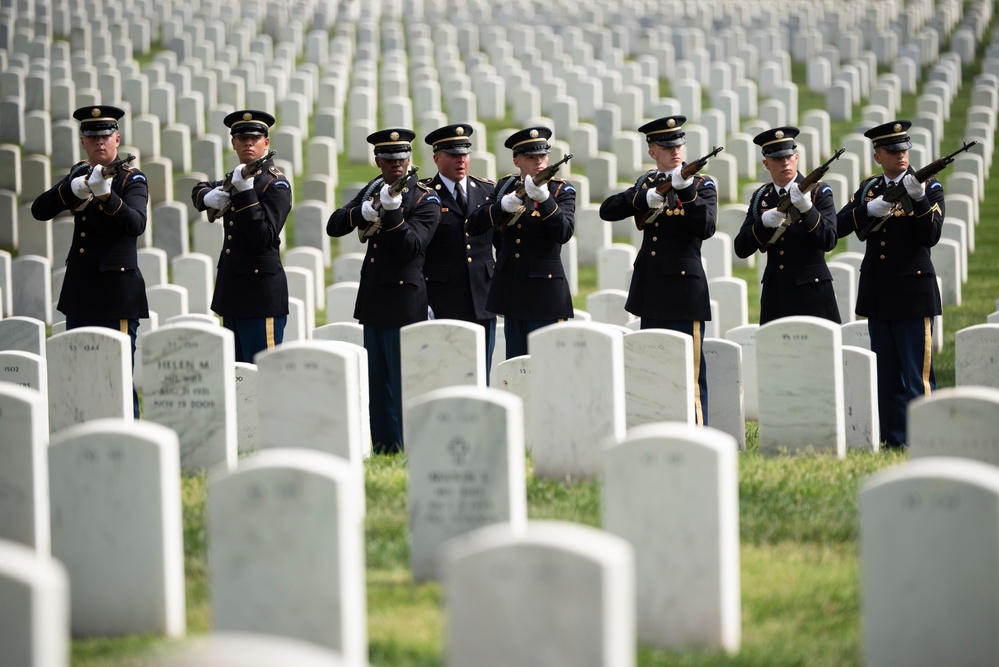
x=452 y=166
x=782 y=169
x=894 y=163
x=392 y=170
x=530 y=165
x=667 y=157
x=250 y=146
x=101 y=150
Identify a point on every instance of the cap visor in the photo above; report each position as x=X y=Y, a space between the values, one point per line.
x=898 y=148
x=394 y=156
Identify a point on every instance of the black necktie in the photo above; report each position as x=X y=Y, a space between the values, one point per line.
x=891 y=184
x=459 y=197
x=782 y=192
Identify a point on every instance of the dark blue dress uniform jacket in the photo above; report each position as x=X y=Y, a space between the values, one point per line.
x=392 y=292
x=797 y=280
x=459 y=267
x=530 y=282
x=102 y=279
x=251 y=282
x=897 y=279
x=668 y=281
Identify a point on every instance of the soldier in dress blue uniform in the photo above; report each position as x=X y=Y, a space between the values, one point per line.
x=103 y=286
x=668 y=287
x=529 y=288
x=459 y=267
x=392 y=292
x=796 y=280
x=251 y=288
x=898 y=286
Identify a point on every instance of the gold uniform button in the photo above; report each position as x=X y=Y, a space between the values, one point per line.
x=101 y=207
x=683 y=273
x=230 y=223
x=83 y=235
x=816 y=280
x=781 y=252
x=781 y=267
x=372 y=260
x=655 y=238
x=883 y=244
x=653 y=253
x=469 y=260
x=466 y=235
x=375 y=246
x=517 y=241
x=229 y=238
x=122 y=269
x=401 y=282
x=882 y=256
x=919 y=273
x=81 y=251
x=516 y=256
x=468 y=247
x=256 y=270
x=519 y=225
x=655 y=224
x=83 y=218
x=549 y=276
x=227 y=251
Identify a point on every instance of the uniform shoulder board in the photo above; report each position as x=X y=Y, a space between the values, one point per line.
x=427 y=180
x=478 y=179
x=556 y=179
x=424 y=186
x=275 y=171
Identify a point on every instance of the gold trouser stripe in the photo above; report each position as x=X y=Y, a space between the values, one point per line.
x=269 y=327
x=927 y=354
x=123 y=326
x=698 y=411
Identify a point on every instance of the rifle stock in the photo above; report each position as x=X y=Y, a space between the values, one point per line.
x=807 y=184
x=367 y=231
x=540 y=178
x=645 y=216
x=251 y=168
x=898 y=195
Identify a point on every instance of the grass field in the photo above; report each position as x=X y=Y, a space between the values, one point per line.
x=798 y=516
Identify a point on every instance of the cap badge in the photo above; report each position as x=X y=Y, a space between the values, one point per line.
x=460 y=131
x=534 y=134
x=671 y=123
x=779 y=134
x=95 y=112
x=247 y=116
x=394 y=136
x=897 y=127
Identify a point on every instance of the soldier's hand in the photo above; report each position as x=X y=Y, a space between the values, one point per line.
x=79 y=187
x=878 y=207
x=654 y=199
x=913 y=187
x=772 y=219
x=678 y=181
x=239 y=182
x=511 y=203
x=538 y=193
x=799 y=199
x=389 y=203
x=368 y=211
x=216 y=198
x=99 y=185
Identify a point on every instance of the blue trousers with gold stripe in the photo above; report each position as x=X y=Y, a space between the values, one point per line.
x=696 y=331
x=384 y=388
x=905 y=370
x=130 y=327
x=254 y=334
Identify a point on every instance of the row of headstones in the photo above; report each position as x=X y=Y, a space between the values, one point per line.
x=466 y=471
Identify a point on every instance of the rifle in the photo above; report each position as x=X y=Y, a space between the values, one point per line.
x=897 y=195
x=367 y=231
x=784 y=205
x=645 y=216
x=540 y=178
x=251 y=168
x=110 y=170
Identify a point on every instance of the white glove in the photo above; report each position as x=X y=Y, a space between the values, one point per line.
x=79 y=187
x=511 y=202
x=99 y=185
x=241 y=184
x=679 y=182
x=799 y=199
x=538 y=193
x=915 y=189
x=216 y=198
x=773 y=219
x=390 y=203
x=878 y=207
x=654 y=199
x=368 y=211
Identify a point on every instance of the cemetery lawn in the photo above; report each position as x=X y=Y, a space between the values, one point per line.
x=799 y=565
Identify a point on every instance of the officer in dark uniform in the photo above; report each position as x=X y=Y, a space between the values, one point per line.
x=459 y=267
x=529 y=288
x=796 y=280
x=392 y=292
x=103 y=286
x=898 y=286
x=251 y=289
x=668 y=287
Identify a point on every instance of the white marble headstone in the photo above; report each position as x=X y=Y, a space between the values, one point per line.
x=929 y=545
x=116 y=526
x=800 y=374
x=251 y=649
x=723 y=360
x=441 y=353
x=466 y=465
x=189 y=378
x=746 y=338
x=286 y=551
x=25 y=370
x=577 y=383
x=34 y=608
x=659 y=377
x=25 y=334
x=956 y=421
x=24 y=465
x=247 y=419
x=976 y=356
x=860 y=399
x=672 y=491
x=557 y=594
x=89 y=376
